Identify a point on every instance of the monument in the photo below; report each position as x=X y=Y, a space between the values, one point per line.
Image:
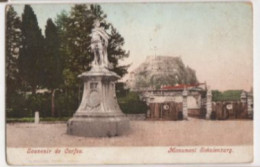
x=98 y=114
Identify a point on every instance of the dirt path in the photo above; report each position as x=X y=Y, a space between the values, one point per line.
x=143 y=133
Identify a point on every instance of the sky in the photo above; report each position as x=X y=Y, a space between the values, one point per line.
x=215 y=39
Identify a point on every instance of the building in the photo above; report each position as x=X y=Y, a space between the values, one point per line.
x=167 y=102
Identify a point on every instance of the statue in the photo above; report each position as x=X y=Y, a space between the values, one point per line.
x=98 y=114
x=99 y=43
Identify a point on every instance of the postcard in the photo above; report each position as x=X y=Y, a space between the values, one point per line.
x=129 y=83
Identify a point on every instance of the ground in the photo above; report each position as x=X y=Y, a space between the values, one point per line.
x=143 y=133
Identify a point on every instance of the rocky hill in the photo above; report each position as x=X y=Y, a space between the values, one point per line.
x=157 y=71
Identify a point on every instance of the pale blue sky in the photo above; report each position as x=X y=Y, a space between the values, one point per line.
x=215 y=39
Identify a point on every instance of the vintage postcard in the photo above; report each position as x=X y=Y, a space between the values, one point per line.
x=129 y=83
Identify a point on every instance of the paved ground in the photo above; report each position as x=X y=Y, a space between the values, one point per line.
x=143 y=133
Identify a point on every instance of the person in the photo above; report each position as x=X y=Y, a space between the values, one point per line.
x=99 y=44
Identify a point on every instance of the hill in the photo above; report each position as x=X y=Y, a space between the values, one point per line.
x=157 y=71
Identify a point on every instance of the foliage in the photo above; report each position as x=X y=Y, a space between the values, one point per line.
x=25 y=105
x=53 y=61
x=121 y=91
x=74 y=29
x=67 y=103
x=52 y=78
x=52 y=57
x=229 y=95
x=31 y=55
x=116 y=53
x=131 y=104
x=13 y=42
x=16 y=106
x=39 y=102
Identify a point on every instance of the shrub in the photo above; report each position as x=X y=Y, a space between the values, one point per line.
x=226 y=95
x=66 y=104
x=131 y=104
x=16 y=105
x=41 y=103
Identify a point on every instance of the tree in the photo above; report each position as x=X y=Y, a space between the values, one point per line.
x=13 y=42
x=52 y=61
x=116 y=53
x=31 y=55
x=131 y=104
x=12 y=47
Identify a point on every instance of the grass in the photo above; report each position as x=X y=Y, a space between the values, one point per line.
x=31 y=119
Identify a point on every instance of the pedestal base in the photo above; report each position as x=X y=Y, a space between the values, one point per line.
x=98 y=126
x=98 y=114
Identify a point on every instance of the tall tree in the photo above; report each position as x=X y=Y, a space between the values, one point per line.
x=31 y=55
x=52 y=61
x=13 y=42
x=116 y=52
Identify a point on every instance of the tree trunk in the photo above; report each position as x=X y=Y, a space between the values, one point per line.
x=53 y=102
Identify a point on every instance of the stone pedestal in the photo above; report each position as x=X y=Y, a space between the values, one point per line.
x=209 y=104
x=185 y=104
x=98 y=114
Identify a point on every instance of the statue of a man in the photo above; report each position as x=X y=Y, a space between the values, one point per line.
x=99 y=43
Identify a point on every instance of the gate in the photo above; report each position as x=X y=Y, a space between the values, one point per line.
x=165 y=111
x=229 y=110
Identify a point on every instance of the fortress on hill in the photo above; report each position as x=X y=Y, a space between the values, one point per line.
x=172 y=92
x=158 y=71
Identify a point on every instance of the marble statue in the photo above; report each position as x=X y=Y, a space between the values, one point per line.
x=99 y=43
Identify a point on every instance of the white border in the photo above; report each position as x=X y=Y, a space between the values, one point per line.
x=256 y=10
x=2 y=84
